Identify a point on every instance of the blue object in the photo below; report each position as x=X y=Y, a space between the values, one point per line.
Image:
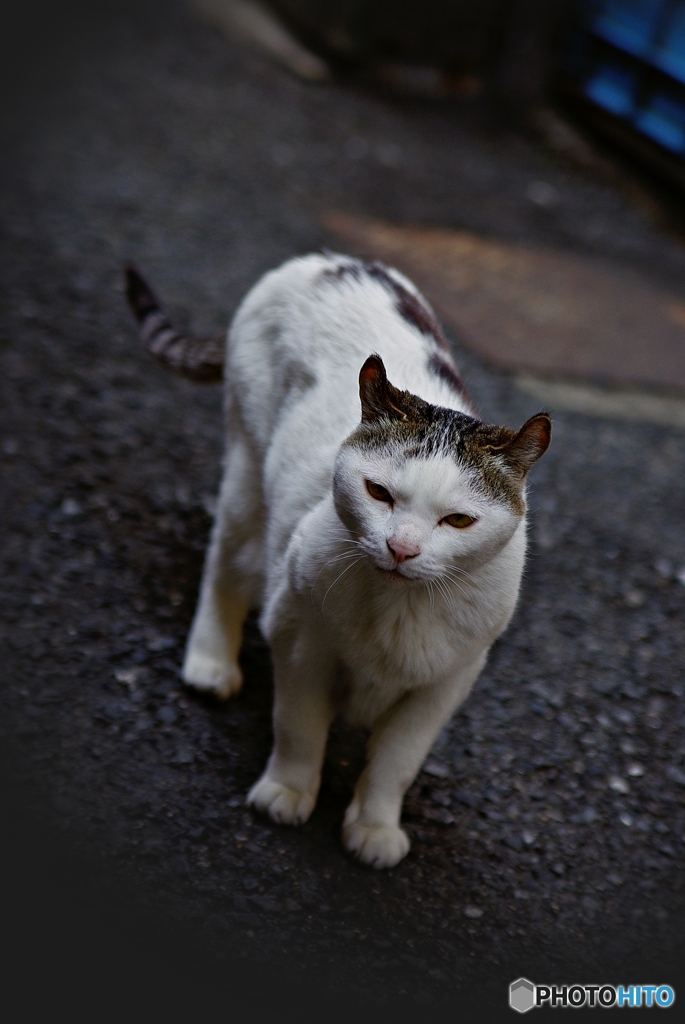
x=664 y=121
x=629 y=25
x=613 y=89
x=632 y=65
x=671 y=57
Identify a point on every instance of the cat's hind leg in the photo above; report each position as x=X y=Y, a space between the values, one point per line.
x=231 y=580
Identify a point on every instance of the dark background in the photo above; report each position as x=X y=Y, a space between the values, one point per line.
x=133 y=880
x=513 y=44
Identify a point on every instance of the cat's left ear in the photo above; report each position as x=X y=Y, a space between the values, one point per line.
x=378 y=396
x=526 y=446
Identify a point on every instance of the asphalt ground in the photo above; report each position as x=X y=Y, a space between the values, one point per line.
x=548 y=838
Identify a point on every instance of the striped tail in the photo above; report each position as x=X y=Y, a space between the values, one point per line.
x=193 y=357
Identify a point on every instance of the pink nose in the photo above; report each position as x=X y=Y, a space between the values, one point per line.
x=402 y=552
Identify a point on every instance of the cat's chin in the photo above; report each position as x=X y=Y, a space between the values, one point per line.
x=394 y=576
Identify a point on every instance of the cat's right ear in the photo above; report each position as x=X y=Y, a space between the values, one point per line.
x=378 y=397
x=528 y=444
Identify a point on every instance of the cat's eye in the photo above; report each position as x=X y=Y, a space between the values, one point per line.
x=459 y=520
x=378 y=492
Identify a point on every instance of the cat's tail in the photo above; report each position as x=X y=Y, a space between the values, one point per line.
x=200 y=359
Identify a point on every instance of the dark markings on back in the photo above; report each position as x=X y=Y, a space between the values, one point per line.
x=407 y=304
x=442 y=369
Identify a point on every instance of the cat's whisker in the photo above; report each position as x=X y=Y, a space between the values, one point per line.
x=429 y=589
x=445 y=592
x=336 y=558
x=337 y=578
x=448 y=575
x=449 y=583
x=462 y=572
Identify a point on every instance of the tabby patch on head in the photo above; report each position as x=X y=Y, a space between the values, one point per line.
x=402 y=423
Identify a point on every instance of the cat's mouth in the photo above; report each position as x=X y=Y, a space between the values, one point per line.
x=393 y=574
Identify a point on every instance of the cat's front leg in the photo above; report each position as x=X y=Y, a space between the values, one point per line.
x=398 y=745
x=304 y=673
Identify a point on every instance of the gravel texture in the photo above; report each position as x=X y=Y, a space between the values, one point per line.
x=548 y=828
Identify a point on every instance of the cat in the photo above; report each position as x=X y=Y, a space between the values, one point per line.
x=376 y=521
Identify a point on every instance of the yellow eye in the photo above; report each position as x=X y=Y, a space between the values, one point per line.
x=459 y=520
x=378 y=492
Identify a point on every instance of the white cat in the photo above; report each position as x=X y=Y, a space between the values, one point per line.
x=384 y=540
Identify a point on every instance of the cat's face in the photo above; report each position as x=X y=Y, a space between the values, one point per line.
x=427 y=491
x=416 y=517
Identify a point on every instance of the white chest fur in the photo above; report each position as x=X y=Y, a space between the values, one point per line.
x=392 y=638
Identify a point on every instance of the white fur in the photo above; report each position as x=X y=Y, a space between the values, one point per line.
x=397 y=655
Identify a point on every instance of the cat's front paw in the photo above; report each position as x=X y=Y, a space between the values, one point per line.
x=286 y=806
x=201 y=671
x=380 y=846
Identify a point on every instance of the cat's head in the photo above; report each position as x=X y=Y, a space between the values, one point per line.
x=422 y=488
